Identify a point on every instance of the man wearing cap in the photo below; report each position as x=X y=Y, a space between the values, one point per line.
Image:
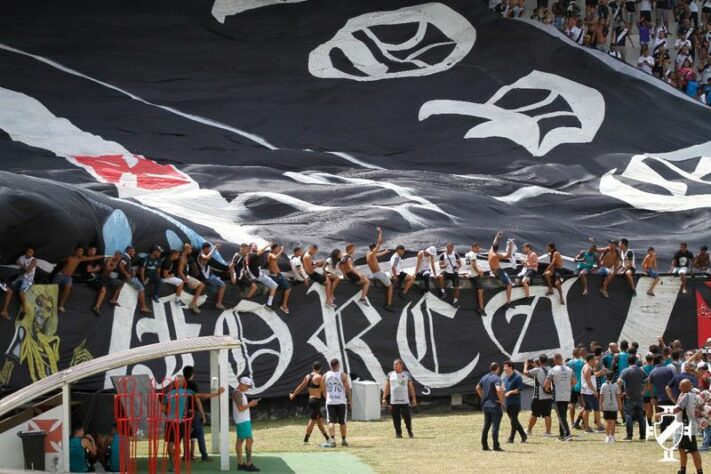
x=243 y=420
x=150 y=270
x=426 y=266
x=495 y=265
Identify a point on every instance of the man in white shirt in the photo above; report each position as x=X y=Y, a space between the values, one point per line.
x=404 y=279
x=449 y=263
x=337 y=391
x=297 y=267
x=476 y=275
x=425 y=266
x=400 y=391
x=530 y=268
x=243 y=420
x=685 y=408
x=645 y=61
x=28 y=264
x=562 y=379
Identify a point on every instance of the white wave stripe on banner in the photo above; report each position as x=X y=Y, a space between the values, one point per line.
x=638 y=170
x=27 y=121
x=648 y=316
x=221 y=9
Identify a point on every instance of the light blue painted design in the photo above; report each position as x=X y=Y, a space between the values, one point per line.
x=174 y=241
x=117 y=232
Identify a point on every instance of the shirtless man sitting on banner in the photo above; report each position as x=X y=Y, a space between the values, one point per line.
x=610 y=263
x=310 y=267
x=353 y=275
x=554 y=272
x=372 y=258
x=63 y=278
x=495 y=265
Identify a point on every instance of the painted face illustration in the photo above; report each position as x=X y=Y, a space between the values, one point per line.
x=522 y=125
x=361 y=50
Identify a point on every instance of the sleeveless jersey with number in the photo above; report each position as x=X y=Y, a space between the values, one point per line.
x=399 y=387
x=335 y=391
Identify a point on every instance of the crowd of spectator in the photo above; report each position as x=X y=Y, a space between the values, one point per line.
x=253 y=267
x=597 y=386
x=609 y=25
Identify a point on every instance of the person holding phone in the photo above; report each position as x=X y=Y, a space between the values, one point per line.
x=243 y=420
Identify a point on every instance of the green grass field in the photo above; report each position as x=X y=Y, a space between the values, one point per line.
x=449 y=443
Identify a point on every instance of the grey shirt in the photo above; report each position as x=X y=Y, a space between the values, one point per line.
x=561 y=376
x=634 y=380
x=538 y=374
x=608 y=393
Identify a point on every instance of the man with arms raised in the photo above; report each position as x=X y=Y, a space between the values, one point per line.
x=405 y=280
x=495 y=264
x=353 y=275
x=313 y=383
x=337 y=391
x=561 y=379
x=310 y=266
x=554 y=273
x=476 y=275
x=610 y=263
x=401 y=393
x=372 y=258
x=449 y=263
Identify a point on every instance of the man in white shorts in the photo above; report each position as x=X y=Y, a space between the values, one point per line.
x=530 y=268
x=378 y=275
x=337 y=391
x=681 y=263
x=405 y=280
x=254 y=272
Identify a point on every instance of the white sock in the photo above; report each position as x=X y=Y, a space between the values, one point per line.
x=455 y=300
x=270 y=300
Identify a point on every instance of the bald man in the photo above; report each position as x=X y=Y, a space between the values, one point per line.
x=685 y=407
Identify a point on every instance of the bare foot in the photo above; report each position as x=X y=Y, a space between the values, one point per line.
x=145 y=310
x=585 y=292
x=5 y=315
x=285 y=310
x=562 y=301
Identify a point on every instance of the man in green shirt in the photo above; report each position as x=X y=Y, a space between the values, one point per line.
x=150 y=271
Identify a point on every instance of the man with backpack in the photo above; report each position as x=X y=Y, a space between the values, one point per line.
x=542 y=402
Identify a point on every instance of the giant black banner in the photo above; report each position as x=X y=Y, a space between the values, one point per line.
x=445 y=348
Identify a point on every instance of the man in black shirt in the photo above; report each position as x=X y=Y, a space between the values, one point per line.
x=199 y=418
x=682 y=263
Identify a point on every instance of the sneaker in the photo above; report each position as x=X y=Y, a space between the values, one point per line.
x=240 y=467
x=364 y=302
x=410 y=434
x=499 y=449
x=155 y=299
x=628 y=438
x=549 y=292
x=206 y=459
x=524 y=439
x=485 y=448
x=604 y=293
x=589 y=430
x=509 y=441
x=568 y=438
x=284 y=310
x=612 y=439
x=398 y=435
x=329 y=444
x=251 y=468
x=194 y=308
x=61 y=309
x=600 y=429
x=389 y=307
x=547 y=435
x=634 y=292
x=650 y=293
x=179 y=303
x=344 y=443
x=96 y=311
x=220 y=307
x=607 y=439
x=3 y=287
x=529 y=433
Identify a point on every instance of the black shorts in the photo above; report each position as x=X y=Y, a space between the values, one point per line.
x=631 y=269
x=609 y=415
x=575 y=398
x=317 y=277
x=529 y=275
x=477 y=283
x=541 y=407
x=647 y=399
x=353 y=277
x=315 y=408
x=646 y=15
x=401 y=278
x=630 y=7
x=174 y=432
x=688 y=444
x=453 y=277
x=558 y=274
x=336 y=414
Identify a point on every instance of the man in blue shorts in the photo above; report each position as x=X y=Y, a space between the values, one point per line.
x=243 y=420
